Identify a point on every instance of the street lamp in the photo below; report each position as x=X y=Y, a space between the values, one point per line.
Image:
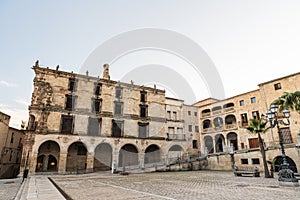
x=285 y=174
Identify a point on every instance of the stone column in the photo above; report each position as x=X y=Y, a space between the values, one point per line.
x=115 y=160
x=62 y=164
x=45 y=163
x=90 y=162
x=214 y=144
x=141 y=157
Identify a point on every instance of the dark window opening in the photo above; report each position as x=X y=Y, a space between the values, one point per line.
x=70 y=102
x=244 y=161
x=12 y=138
x=94 y=126
x=72 y=85
x=98 y=87
x=117 y=128
x=143 y=96
x=195 y=114
x=96 y=106
x=189 y=112
x=118 y=92
x=143 y=111
x=253 y=100
x=195 y=144
x=255 y=161
x=67 y=124
x=277 y=86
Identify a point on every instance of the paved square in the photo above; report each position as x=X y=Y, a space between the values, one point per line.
x=174 y=185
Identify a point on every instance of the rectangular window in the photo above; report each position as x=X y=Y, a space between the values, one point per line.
x=195 y=113
x=255 y=115
x=12 y=138
x=197 y=129
x=253 y=143
x=117 y=128
x=118 y=108
x=98 y=88
x=143 y=130
x=242 y=102
x=253 y=100
x=244 y=161
x=255 y=161
x=72 y=84
x=96 y=105
x=143 y=96
x=195 y=144
x=143 y=111
x=244 y=119
x=67 y=124
x=169 y=114
x=118 y=92
x=20 y=143
x=175 y=115
x=70 y=102
x=286 y=135
x=189 y=113
x=94 y=126
x=190 y=128
x=277 y=86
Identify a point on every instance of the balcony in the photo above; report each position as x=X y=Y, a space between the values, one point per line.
x=229 y=109
x=176 y=136
x=217 y=112
x=230 y=126
x=207 y=130
x=204 y=115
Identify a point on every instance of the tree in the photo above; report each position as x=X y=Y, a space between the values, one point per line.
x=289 y=100
x=259 y=126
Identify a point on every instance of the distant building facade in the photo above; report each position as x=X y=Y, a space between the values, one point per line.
x=225 y=139
x=11 y=140
x=79 y=124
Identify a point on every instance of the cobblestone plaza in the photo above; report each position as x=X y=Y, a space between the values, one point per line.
x=174 y=185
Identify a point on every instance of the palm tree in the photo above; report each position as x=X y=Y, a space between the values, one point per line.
x=259 y=126
x=289 y=100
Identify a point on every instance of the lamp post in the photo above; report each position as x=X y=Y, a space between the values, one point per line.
x=286 y=175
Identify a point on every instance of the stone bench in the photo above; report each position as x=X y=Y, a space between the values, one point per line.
x=246 y=171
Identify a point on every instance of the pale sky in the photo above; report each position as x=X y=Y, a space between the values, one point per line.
x=249 y=41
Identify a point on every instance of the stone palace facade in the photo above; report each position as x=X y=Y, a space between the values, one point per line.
x=79 y=124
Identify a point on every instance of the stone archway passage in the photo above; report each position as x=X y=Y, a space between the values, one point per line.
x=152 y=154
x=52 y=163
x=128 y=156
x=220 y=142
x=232 y=140
x=103 y=157
x=48 y=156
x=278 y=162
x=175 y=153
x=209 y=144
x=77 y=157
